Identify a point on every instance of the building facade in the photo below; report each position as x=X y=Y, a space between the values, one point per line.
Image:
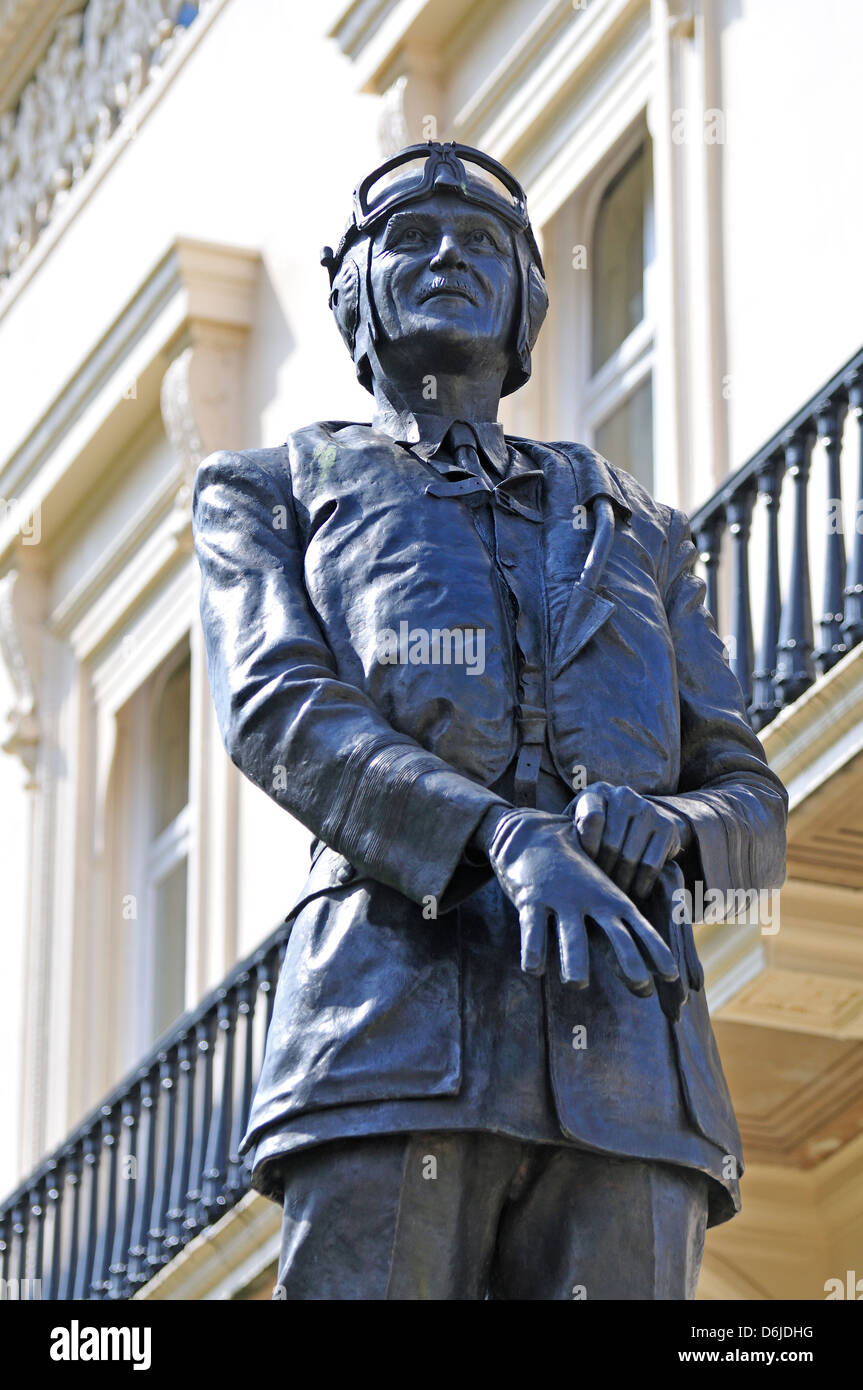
x=168 y=175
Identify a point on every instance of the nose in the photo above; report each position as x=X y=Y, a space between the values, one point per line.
x=449 y=254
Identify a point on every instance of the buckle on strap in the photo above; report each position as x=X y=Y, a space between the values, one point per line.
x=531 y=723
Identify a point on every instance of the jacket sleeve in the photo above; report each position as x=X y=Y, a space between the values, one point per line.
x=317 y=745
x=737 y=807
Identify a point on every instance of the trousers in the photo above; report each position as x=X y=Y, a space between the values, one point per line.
x=472 y=1216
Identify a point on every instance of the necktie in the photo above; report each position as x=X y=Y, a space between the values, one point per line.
x=460 y=443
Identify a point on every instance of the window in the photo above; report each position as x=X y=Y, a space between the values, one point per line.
x=168 y=850
x=619 y=257
x=618 y=394
x=626 y=435
x=152 y=842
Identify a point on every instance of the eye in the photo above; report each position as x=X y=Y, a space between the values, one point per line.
x=410 y=236
x=480 y=237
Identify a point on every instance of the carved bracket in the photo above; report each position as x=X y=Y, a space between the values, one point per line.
x=20 y=599
x=200 y=402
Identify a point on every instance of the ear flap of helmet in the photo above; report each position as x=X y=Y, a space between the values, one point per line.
x=350 y=302
x=345 y=301
x=537 y=304
x=532 y=311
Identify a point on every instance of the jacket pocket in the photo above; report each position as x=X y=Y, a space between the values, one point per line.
x=368 y=1005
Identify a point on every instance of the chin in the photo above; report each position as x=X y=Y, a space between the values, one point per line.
x=446 y=347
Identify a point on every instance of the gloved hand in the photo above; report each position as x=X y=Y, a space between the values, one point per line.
x=544 y=872
x=630 y=837
x=667 y=908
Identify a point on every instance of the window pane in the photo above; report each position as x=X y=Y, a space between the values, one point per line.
x=619 y=256
x=625 y=438
x=169 y=926
x=171 y=744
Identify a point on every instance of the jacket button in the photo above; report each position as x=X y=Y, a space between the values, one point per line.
x=344 y=873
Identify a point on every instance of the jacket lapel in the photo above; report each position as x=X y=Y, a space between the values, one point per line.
x=583 y=616
x=575 y=477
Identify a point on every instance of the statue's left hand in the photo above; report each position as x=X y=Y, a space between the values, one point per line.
x=629 y=837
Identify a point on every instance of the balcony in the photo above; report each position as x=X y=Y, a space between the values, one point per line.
x=156 y=1163
x=786 y=660
x=154 y=1171
x=72 y=84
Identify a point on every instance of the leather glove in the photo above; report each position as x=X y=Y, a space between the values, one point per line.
x=630 y=837
x=545 y=874
x=663 y=909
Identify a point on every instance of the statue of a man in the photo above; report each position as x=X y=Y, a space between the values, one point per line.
x=478 y=668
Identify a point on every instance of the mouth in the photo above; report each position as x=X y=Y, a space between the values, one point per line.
x=448 y=285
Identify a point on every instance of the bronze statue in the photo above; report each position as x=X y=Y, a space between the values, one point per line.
x=479 y=670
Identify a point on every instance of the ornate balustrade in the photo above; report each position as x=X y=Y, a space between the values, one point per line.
x=778 y=658
x=156 y=1162
x=98 y=62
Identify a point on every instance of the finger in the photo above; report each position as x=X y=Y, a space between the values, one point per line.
x=630 y=966
x=638 y=836
x=694 y=968
x=656 y=954
x=574 y=951
x=672 y=997
x=663 y=845
x=590 y=820
x=617 y=818
x=533 y=923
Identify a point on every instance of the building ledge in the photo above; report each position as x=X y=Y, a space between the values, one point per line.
x=821 y=732
x=225 y=1258
x=199 y=292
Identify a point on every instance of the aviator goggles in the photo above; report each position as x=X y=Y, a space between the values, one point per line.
x=416 y=172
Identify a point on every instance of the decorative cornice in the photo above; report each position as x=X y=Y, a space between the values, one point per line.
x=359 y=21
x=198 y=293
x=99 y=73
x=20 y=16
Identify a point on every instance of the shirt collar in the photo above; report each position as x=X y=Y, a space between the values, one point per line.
x=592 y=473
x=424 y=432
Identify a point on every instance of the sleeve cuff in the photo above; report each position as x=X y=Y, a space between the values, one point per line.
x=407 y=819
x=711 y=857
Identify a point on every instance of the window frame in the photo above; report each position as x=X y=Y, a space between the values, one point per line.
x=574 y=400
x=145 y=859
x=608 y=387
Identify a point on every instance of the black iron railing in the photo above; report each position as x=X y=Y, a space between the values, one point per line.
x=786 y=660
x=156 y=1162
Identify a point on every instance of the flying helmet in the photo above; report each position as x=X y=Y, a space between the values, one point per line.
x=415 y=173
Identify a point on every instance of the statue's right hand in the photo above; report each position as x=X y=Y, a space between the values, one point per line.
x=540 y=865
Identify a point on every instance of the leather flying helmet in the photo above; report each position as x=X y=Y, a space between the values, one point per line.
x=414 y=174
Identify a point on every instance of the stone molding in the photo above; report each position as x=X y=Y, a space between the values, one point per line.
x=180 y=341
x=89 y=87
x=225 y=1258
x=20 y=600
x=200 y=295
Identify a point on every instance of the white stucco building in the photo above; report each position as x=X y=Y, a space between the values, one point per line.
x=168 y=175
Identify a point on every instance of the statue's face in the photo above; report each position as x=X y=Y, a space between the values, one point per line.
x=445 y=285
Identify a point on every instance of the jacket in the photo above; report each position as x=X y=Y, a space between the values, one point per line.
x=307 y=553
